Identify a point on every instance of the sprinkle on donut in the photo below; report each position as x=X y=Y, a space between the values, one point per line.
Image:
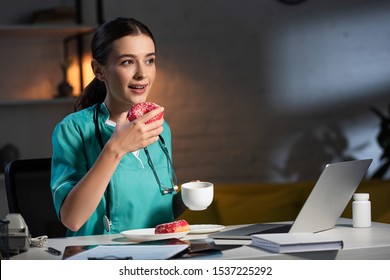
x=141 y=109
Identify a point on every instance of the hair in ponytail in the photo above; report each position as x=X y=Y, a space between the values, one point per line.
x=101 y=47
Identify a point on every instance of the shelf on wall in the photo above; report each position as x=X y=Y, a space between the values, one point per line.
x=45 y=29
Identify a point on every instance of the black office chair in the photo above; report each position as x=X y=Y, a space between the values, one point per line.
x=27 y=183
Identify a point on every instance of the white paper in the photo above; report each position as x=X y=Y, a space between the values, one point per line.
x=136 y=252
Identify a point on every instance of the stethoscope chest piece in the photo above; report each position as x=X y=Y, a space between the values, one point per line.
x=171 y=190
x=106 y=223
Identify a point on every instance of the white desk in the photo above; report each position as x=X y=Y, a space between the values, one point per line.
x=364 y=243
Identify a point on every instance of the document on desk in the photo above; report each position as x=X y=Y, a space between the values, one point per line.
x=295 y=242
x=136 y=252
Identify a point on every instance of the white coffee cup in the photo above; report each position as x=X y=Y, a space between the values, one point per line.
x=197 y=195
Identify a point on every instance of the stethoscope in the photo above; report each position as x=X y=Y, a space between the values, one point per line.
x=164 y=190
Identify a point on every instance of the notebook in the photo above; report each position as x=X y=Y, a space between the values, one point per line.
x=323 y=207
x=296 y=242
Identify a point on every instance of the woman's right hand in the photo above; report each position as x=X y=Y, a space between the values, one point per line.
x=132 y=136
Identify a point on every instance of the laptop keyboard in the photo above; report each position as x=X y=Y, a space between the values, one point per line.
x=246 y=231
x=281 y=229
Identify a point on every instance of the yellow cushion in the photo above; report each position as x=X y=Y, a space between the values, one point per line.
x=271 y=202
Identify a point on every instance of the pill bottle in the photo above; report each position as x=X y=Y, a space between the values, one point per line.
x=361 y=210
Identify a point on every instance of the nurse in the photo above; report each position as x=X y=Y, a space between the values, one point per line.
x=102 y=180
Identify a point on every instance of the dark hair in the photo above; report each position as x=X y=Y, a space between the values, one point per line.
x=101 y=47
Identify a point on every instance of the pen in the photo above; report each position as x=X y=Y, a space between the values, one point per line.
x=53 y=251
x=110 y=258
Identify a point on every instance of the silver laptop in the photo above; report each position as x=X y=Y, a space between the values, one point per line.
x=324 y=206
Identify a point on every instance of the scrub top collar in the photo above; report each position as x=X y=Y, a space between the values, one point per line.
x=106 y=113
x=103 y=108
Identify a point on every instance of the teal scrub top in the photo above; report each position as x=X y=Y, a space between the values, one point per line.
x=136 y=200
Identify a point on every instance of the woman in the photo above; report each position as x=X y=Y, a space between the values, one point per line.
x=102 y=179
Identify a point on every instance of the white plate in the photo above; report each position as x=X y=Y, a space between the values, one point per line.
x=205 y=228
x=147 y=234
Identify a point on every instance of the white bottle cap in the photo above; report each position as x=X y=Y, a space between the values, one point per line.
x=361 y=196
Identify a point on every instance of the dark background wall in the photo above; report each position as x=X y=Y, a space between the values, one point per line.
x=254 y=90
